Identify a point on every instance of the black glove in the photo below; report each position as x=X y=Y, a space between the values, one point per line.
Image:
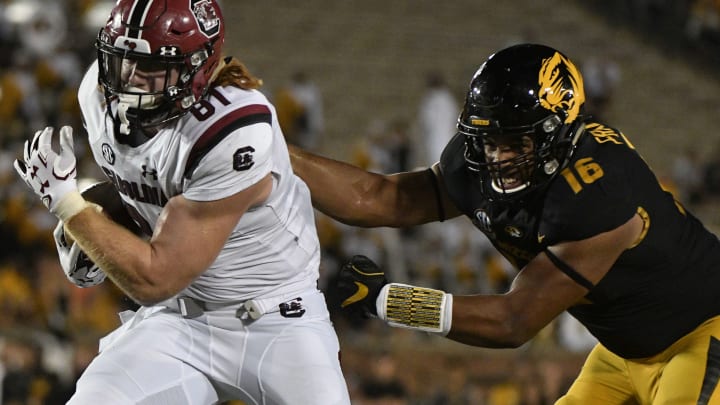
x=359 y=283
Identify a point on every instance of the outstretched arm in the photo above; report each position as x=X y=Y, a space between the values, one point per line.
x=358 y=197
x=539 y=294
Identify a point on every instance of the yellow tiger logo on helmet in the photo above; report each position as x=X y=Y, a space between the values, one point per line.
x=558 y=76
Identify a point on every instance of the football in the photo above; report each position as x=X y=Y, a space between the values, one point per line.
x=105 y=195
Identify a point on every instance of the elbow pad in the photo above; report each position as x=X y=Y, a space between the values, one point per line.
x=76 y=265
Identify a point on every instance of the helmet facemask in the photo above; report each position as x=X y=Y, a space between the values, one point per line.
x=539 y=152
x=150 y=90
x=528 y=99
x=156 y=60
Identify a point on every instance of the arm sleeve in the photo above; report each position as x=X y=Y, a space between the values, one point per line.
x=235 y=163
x=600 y=206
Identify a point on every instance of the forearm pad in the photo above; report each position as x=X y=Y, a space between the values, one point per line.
x=419 y=308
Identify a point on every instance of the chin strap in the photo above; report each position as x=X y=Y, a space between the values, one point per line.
x=137 y=100
x=510 y=190
x=122 y=115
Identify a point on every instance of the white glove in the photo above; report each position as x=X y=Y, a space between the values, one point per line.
x=78 y=268
x=52 y=175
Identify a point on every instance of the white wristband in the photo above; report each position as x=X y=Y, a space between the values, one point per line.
x=70 y=205
x=419 y=308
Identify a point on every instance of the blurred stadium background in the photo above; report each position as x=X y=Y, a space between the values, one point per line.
x=651 y=66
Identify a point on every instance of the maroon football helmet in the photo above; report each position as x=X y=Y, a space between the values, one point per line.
x=175 y=45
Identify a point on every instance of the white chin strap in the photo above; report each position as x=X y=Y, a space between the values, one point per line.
x=139 y=101
x=122 y=114
x=501 y=190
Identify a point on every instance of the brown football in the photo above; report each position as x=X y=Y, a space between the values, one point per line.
x=105 y=195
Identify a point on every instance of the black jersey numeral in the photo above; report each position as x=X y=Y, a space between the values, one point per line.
x=586 y=170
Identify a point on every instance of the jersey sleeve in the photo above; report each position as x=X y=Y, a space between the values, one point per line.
x=594 y=194
x=91 y=102
x=457 y=180
x=226 y=166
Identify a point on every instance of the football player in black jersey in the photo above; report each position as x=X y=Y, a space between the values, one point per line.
x=571 y=203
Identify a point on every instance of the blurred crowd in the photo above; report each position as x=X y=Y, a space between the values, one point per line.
x=691 y=27
x=49 y=328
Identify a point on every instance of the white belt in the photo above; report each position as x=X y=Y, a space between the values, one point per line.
x=290 y=305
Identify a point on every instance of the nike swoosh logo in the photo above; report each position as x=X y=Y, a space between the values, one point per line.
x=359 y=295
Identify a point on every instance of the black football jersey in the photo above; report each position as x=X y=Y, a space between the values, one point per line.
x=657 y=291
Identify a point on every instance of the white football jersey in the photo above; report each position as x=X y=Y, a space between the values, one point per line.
x=226 y=142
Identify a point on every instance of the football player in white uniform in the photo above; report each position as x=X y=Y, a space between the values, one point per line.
x=227 y=274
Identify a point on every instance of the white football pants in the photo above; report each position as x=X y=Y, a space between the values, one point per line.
x=159 y=357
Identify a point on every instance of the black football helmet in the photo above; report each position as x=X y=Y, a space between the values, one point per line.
x=179 y=41
x=523 y=92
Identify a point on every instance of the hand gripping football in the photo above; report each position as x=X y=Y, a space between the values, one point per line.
x=78 y=267
x=105 y=195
